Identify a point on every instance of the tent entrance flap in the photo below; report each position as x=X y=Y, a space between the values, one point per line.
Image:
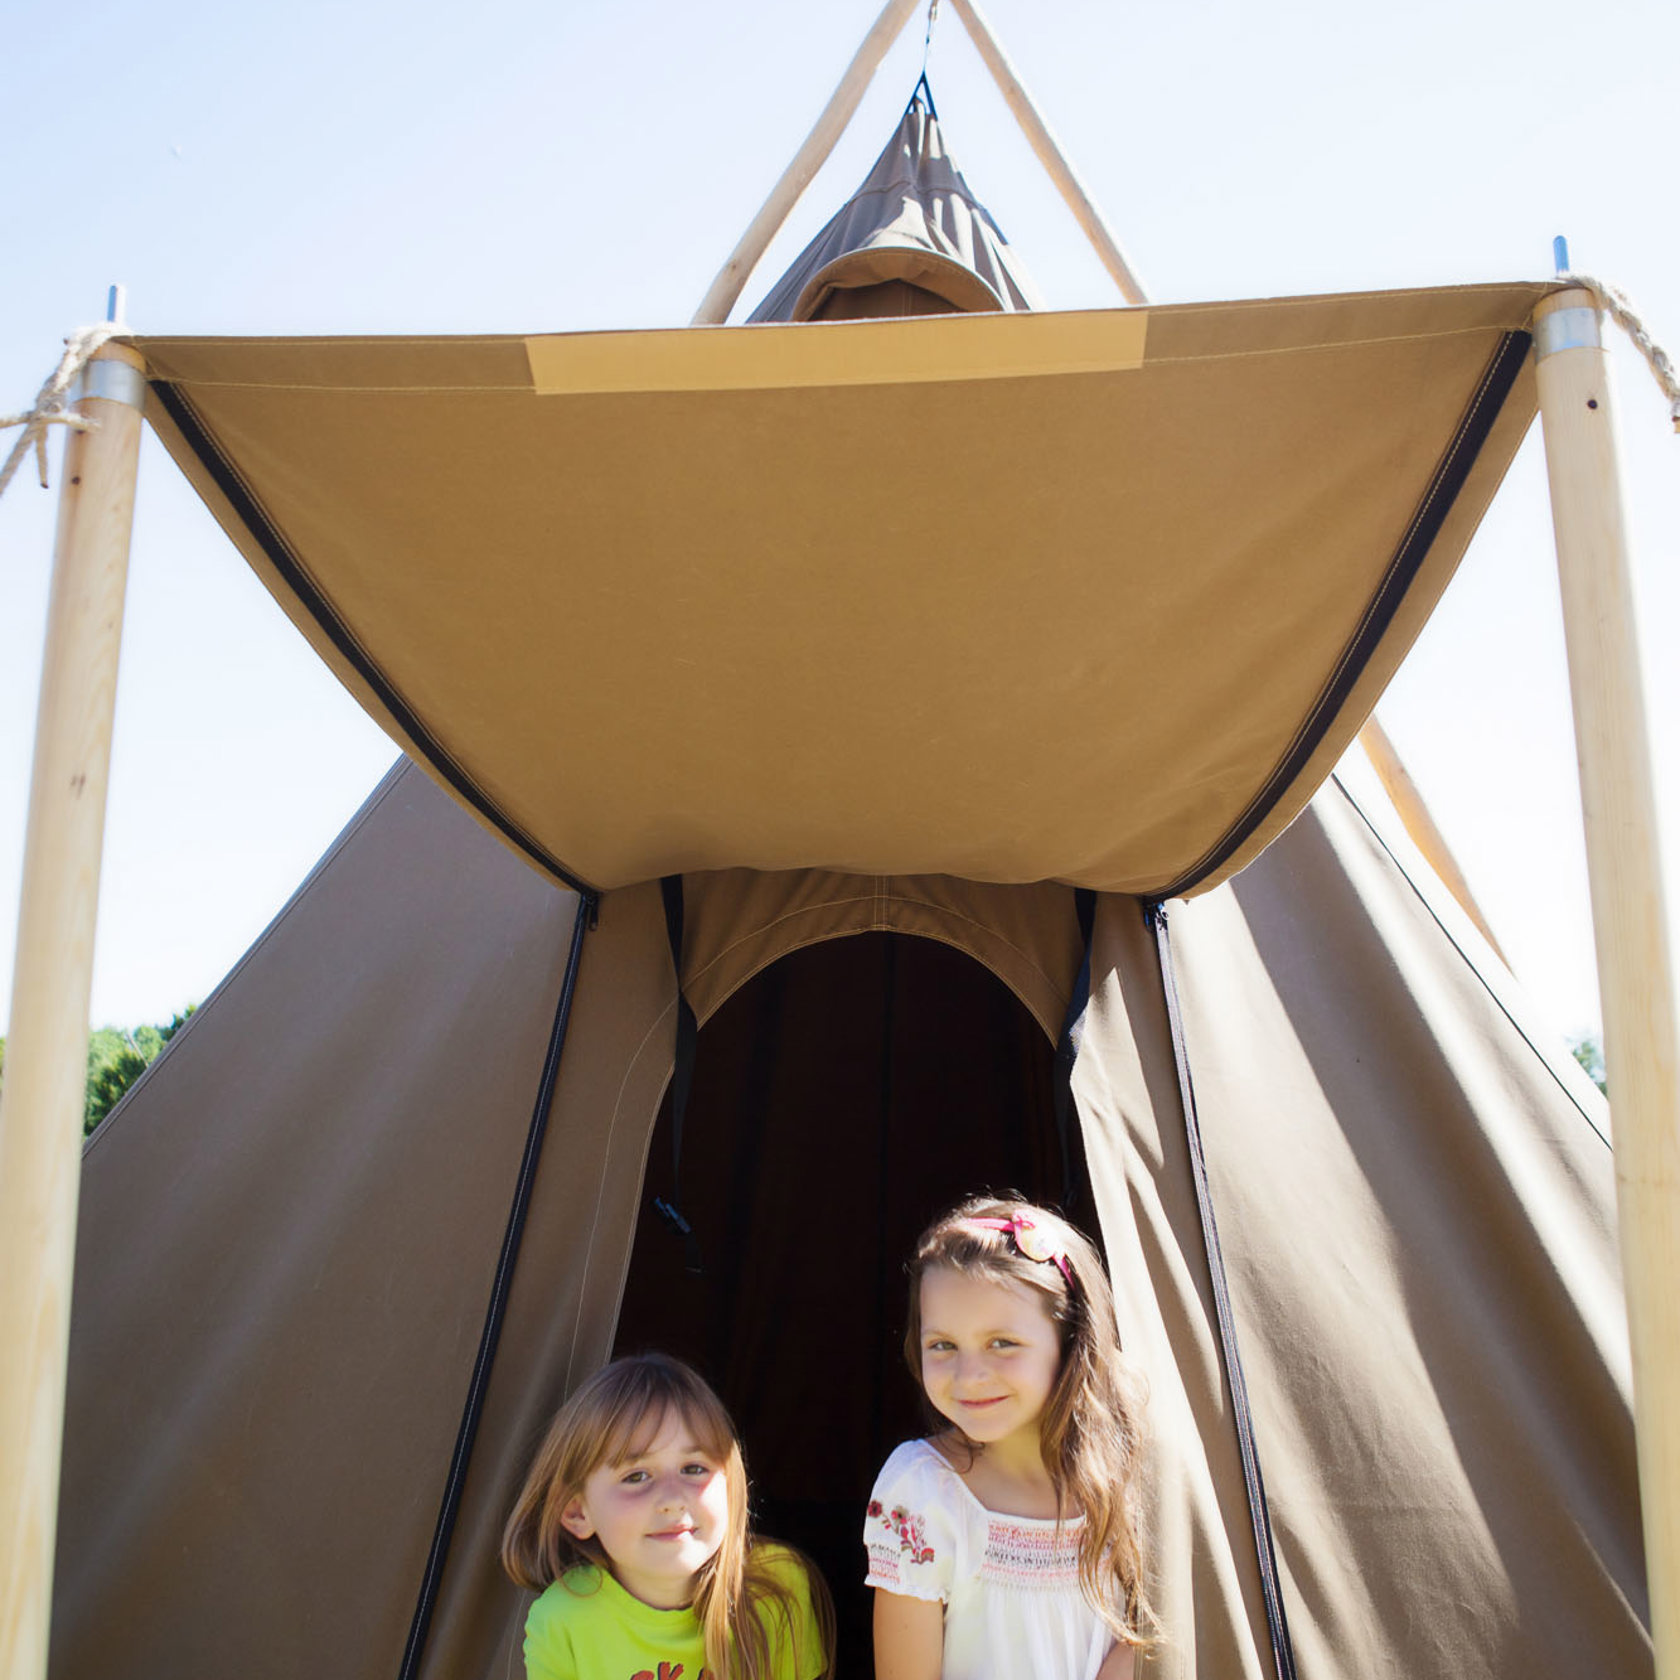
x=840 y=1099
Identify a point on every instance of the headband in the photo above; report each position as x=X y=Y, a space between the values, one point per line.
x=1030 y=1241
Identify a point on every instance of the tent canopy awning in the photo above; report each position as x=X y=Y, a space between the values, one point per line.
x=1097 y=597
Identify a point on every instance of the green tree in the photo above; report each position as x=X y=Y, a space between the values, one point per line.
x=1589 y=1052
x=117 y=1056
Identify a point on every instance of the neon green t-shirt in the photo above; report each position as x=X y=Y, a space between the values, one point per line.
x=587 y=1627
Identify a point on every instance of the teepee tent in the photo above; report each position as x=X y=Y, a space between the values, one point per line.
x=285 y=1268
x=930 y=657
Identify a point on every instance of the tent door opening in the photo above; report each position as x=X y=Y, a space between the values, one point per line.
x=840 y=1099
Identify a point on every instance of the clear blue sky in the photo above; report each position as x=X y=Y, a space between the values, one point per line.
x=316 y=168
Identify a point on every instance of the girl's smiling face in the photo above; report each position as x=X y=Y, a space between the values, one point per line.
x=659 y=1514
x=990 y=1353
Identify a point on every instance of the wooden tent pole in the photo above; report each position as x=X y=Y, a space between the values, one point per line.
x=1630 y=925
x=46 y=1049
x=1414 y=816
x=1043 y=142
x=733 y=276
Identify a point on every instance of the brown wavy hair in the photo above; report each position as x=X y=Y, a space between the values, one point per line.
x=613 y=1417
x=1090 y=1431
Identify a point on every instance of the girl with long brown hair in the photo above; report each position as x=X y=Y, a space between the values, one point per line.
x=1006 y=1544
x=632 y=1529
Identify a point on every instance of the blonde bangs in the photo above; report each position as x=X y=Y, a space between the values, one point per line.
x=628 y=1416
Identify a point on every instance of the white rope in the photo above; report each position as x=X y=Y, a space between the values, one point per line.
x=1617 y=307
x=49 y=409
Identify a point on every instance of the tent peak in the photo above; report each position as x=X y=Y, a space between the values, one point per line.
x=914 y=220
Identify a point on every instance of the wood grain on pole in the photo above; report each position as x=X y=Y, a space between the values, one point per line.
x=46 y=1048
x=735 y=273
x=1414 y=815
x=1043 y=142
x=1630 y=924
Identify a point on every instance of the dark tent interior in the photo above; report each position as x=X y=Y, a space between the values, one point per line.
x=883 y=1077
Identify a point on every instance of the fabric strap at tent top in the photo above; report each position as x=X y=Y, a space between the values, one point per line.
x=489 y=1338
x=1277 y=1620
x=682 y=1077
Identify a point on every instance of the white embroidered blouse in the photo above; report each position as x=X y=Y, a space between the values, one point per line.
x=1010 y=1585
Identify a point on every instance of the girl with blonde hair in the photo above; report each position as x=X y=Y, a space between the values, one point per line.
x=632 y=1528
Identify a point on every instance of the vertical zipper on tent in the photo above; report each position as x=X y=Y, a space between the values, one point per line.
x=420 y=1626
x=1067 y=1045
x=1277 y=1623
x=682 y=1076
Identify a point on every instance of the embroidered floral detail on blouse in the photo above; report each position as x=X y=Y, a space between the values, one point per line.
x=1032 y=1555
x=906 y=1527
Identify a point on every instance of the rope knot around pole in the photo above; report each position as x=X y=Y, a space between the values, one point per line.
x=1615 y=304
x=50 y=407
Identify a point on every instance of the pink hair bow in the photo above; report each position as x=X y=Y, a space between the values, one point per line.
x=1031 y=1241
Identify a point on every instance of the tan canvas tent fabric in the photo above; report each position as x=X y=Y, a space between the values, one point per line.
x=291 y=1225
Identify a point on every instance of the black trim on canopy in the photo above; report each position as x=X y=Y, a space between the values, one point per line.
x=1449 y=478
x=202 y=442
